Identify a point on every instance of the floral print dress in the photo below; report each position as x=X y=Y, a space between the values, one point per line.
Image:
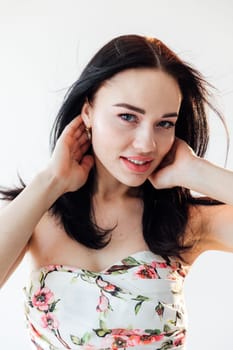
x=135 y=304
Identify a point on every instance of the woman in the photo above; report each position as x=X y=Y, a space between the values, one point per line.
x=110 y=225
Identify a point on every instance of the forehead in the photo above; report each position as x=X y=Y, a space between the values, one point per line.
x=147 y=87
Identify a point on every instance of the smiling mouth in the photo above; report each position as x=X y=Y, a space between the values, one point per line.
x=138 y=162
x=136 y=165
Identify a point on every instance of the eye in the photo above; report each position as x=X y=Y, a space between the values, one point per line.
x=128 y=117
x=166 y=124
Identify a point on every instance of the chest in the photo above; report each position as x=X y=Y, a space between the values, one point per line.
x=50 y=244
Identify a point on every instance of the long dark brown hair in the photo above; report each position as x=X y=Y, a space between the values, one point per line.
x=166 y=211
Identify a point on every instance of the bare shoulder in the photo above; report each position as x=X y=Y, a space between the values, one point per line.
x=212 y=225
x=47 y=223
x=47 y=240
x=50 y=244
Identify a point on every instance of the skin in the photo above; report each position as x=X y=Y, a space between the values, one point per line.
x=126 y=134
x=118 y=133
x=121 y=132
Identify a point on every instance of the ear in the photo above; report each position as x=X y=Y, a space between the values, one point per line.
x=86 y=113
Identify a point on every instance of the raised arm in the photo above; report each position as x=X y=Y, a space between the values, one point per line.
x=183 y=168
x=67 y=171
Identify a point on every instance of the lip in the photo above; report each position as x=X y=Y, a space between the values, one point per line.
x=137 y=168
x=140 y=158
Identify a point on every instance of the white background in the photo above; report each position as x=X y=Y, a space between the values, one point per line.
x=44 y=44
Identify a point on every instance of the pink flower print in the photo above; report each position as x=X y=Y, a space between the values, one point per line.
x=159 y=310
x=103 y=304
x=101 y=283
x=42 y=298
x=150 y=339
x=132 y=337
x=160 y=265
x=119 y=342
x=51 y=268
x=48 y=320
x=158 y=337
x=123 y=331
x=179 y=340
x=133 y=340
x=146 y=271
x=108 y=287
x=177 y=267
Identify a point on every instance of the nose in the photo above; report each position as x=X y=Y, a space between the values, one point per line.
x=144 y=140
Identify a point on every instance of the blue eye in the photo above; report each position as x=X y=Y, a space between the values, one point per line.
x=166 y=124
x=127 y=117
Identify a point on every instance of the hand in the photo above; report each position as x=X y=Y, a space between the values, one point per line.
x=175 y=167
x=68 y=163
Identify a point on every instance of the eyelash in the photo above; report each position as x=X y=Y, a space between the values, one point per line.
x=122 y=115
x=161 y=124
x=170 y=124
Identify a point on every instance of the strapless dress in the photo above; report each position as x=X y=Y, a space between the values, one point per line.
x=137 y=303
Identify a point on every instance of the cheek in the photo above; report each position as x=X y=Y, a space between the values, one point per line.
x=101 y=124
x=104 y=137
x=166 y=143
x=107 y=130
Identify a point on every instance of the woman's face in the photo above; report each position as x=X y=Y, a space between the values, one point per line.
x=133 y=120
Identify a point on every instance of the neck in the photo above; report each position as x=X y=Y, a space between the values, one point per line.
x=108 y=189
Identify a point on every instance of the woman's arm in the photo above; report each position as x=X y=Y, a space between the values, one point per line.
x=67 y=171
x=211 y=180
x=19 y=218
x=183 y=168
x=217 y=220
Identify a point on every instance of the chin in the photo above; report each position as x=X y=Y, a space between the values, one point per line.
x=133 y=182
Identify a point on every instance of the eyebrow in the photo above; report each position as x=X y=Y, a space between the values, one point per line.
x=142 y=111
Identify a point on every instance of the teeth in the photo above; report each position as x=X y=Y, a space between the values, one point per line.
x=138 y=162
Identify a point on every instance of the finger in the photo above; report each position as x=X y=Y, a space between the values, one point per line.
x=75 y=125
x=87 y=162
x=85 y=146
x=71 y=134
x=81 y=132
x=80 y=151
x=82 y=140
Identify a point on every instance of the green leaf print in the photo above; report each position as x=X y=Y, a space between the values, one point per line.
x=137 y=308
x=88 y=277
x=102 y=332
x=26 y=309
x=130 y=261
x=118 y=270
x=53 y=305
x=167 y=345
x=167 y=328
x=103 y=324
x=85 y=338
x=141 y=298
x=89 y=274
x=153 y=331
x=28 y=291
x=75 y=340
x=42 y=279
